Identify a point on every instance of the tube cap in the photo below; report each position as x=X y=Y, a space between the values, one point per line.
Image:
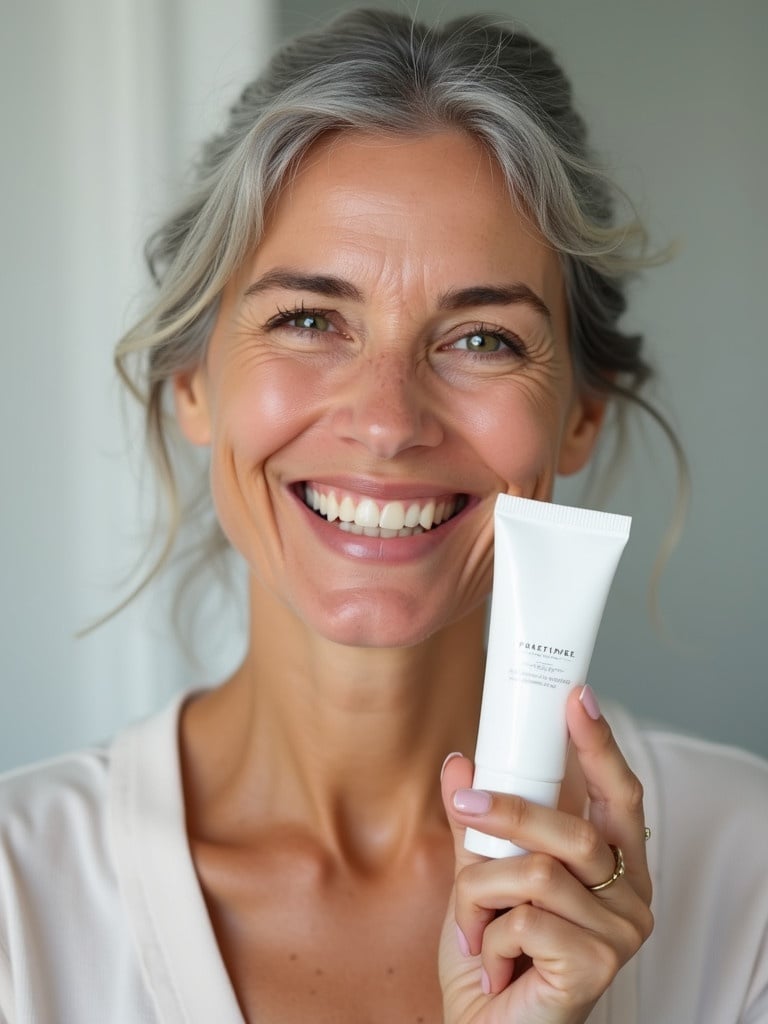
x=538 y=792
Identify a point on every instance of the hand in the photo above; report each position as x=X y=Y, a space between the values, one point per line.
x=525 y=941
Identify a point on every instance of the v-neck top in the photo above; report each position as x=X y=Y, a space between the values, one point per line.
x=102 y=917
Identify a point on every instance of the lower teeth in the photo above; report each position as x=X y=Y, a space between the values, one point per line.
x=376 y=531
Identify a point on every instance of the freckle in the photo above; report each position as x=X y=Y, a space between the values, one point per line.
x=293 y=956
x=319 y=972
x=313 y=991
x=390 y=970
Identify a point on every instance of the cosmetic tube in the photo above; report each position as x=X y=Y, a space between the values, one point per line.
x=553 y=568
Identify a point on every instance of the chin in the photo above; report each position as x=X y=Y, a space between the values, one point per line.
x=373 y=622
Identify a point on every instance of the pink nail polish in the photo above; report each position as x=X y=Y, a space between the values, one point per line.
x=455 y=753
x=589 y=700
x=461 y=938
x=472 y=801
x=485 y=981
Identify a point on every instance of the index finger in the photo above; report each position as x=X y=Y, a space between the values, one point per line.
x=615 y=792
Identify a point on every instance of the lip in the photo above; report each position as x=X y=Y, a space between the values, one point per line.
x=378 y=489
x=393 y=550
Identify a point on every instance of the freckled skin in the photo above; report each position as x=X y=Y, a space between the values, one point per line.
x=311 y=775
x=403 y=222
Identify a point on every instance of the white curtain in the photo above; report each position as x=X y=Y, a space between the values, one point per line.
x=104 y=103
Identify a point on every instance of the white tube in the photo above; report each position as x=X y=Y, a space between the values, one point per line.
x=553 y=568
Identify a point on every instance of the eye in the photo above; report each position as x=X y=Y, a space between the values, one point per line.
x=488 y=342
x=480 y=341
x=303 y=319
x=309 y=322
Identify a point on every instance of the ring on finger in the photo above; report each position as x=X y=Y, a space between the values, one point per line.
x=618 y=870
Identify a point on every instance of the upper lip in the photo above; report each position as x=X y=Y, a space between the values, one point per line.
x=382 y=490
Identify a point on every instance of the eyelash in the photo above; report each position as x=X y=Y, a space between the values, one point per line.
x=511 y=341
x=283 y=316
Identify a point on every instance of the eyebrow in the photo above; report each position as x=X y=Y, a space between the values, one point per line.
x=495 y=295
x=321 y=284
x=338 y=288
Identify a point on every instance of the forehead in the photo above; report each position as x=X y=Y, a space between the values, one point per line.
x=434 y=204
x=398 y=162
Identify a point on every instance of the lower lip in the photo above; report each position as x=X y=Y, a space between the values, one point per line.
x=393 y=550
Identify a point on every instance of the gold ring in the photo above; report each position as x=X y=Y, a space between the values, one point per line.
x=647 y=832
x=618 y=870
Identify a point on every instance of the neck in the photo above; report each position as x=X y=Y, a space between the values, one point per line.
x=346 y=742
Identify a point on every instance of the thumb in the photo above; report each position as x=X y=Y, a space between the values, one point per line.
x=457 y=773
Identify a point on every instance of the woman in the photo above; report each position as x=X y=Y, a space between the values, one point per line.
x=394 y=295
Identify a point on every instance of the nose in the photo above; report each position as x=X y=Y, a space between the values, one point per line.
x=384 y=407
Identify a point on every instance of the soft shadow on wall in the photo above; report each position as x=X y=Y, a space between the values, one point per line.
x=105 y=104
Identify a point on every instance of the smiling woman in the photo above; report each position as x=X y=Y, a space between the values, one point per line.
x=394 y=295
x=415 y=352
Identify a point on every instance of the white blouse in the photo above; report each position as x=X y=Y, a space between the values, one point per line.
x=102 y=918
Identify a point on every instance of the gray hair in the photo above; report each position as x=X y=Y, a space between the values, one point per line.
x=375 y=71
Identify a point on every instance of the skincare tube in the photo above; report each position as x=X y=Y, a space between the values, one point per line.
x=553 y=568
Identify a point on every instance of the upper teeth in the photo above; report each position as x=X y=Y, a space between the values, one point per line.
x=367 y=513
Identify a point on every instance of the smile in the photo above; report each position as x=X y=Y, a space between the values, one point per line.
x=362 y=515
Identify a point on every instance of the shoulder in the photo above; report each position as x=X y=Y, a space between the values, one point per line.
x=52 y=797
x=64 y=933
x=710 y=822
x=54 y=831
x=74 y=792
x=700 y=774
x=707 y=776
x=705 y=801
x=707 y=806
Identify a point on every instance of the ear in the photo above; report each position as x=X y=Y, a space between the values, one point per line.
x=190 y=397
x=580 y=434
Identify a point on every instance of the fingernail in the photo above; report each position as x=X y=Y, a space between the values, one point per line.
x=485 y=981
x=472 y=801
x=463 y=944
x=589 y=700
x=455 y=753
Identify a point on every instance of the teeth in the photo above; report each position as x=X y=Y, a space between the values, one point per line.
x=332 y=509
x=412 y=515
x=427 y=515
x=367 y=513
x=347 y=510
x=407 y=531
x=393 y=516
x=393 y=519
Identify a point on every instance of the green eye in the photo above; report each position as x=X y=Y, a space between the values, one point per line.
x=480 y=342
x=311 y=322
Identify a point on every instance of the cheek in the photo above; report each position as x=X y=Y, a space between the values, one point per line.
x=516 y=436
x=265 y=409
x=261 y=412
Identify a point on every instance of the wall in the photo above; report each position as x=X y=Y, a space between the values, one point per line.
x=103 y=104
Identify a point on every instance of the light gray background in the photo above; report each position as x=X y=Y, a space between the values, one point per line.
x=102 y=112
